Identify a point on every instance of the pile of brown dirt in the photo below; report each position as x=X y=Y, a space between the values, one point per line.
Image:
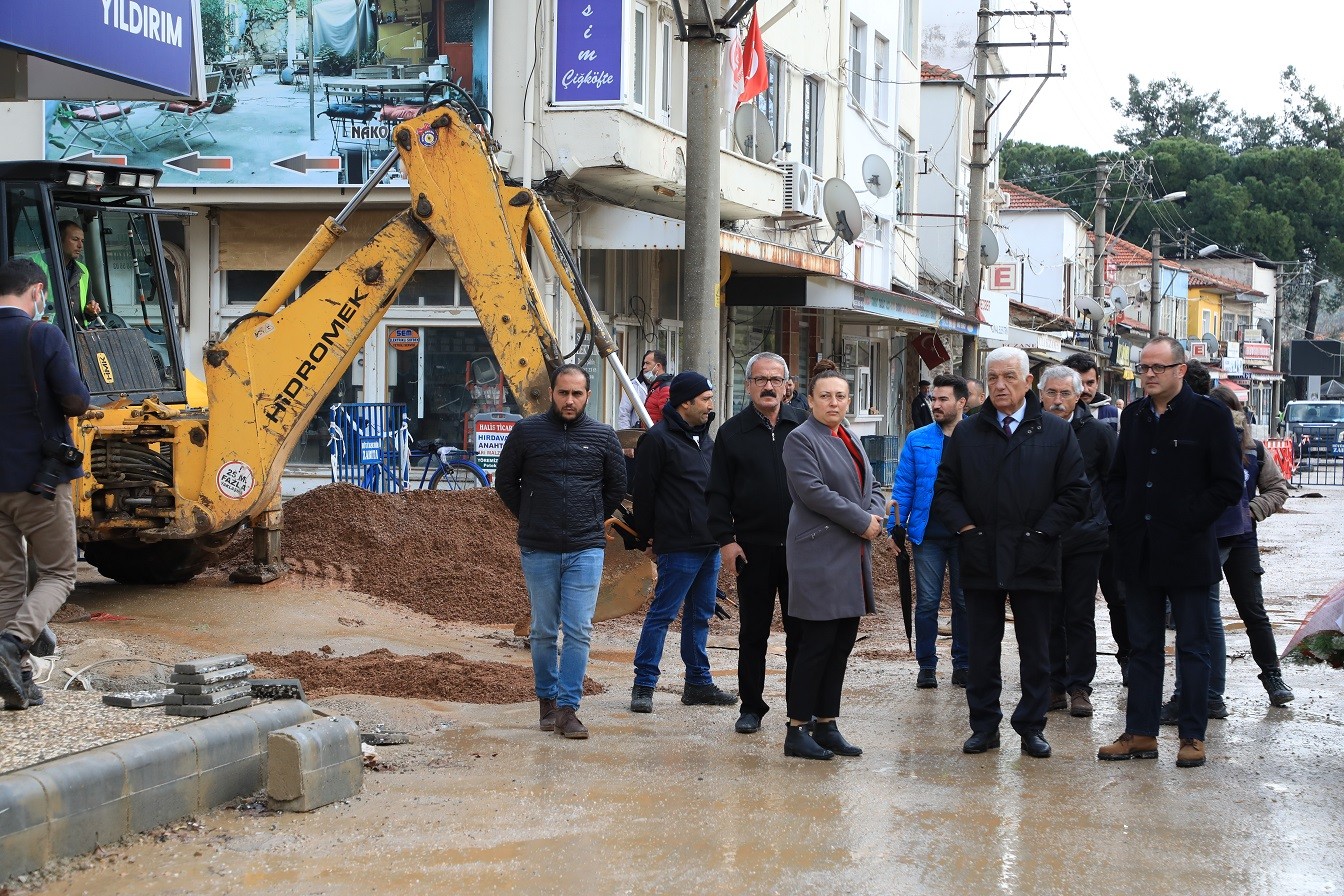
x=437 y=676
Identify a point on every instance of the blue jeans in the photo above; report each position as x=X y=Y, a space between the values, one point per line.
x=689 y=577
x=562 y=588
x=932 y=556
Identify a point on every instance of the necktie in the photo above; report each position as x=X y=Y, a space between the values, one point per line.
x=1008 y=427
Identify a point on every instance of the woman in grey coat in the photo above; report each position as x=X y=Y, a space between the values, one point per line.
x=836 y=516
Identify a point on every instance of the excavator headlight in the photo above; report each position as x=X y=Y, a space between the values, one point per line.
x=96 y=178
x=75 y=178
x=126 y=179
x=147 y=181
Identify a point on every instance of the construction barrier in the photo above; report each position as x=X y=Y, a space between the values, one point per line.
x=1282 y=452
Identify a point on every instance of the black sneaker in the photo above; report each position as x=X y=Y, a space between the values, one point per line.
x=11 y=673
x=1217 y=708
x=707 y=695
x=641 y=699
x=958 y=678
x=927 y=679
x=32 y=691
x=1171 y=712
x=1279 y=693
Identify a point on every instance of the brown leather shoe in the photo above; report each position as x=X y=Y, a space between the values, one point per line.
x=1191 y=754
x=1058 y=700
x=1080 y=704
x=1130 y=746
x=547 y=715
x=568 y=724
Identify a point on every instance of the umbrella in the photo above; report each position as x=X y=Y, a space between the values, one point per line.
x=903 y=579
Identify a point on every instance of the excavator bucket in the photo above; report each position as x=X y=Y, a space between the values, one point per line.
x=629 y=590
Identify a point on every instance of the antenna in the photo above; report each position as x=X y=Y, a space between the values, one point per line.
x=877 y=176
x=842 y=209
x=753 y=133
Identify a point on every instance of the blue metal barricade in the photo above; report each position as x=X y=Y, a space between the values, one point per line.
x=369 y=445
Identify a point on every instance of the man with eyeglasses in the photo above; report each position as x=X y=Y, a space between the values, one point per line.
x=1176 y=470
x=1073 y=626
x=748 y=516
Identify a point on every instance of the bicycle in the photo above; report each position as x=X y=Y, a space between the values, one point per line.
x=457 y=469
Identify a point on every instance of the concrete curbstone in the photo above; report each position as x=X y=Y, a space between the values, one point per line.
x=86 y=801
x=314 y=764
x=25 y=839
x=228 y=748
x=162 y=778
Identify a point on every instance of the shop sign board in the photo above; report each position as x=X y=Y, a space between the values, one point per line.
x=492 y=429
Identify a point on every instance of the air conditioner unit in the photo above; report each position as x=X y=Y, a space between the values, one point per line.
x=801 y=197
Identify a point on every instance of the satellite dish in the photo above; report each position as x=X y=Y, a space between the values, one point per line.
x=1090 y=307
x=1145 y=284
x=989 y=246
x=1209 y=337
x=754 y=136
x=877 y=175
x=842 y=209
x=1119 y=299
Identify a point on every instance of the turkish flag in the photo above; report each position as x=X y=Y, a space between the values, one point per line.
x=755 y=73
x=930 y=350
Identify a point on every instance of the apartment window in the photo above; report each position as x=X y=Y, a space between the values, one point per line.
x=768 y=100
x=665 y=100
x=812 y=114
x=910 y=30
x=881 y=70
x=905 y=179
x=858 y=40
x=640 y=63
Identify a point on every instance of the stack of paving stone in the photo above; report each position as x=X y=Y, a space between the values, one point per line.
x=210 y=686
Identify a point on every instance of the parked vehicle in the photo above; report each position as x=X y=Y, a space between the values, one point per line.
x=1315 y=427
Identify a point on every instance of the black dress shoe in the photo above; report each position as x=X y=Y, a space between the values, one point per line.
x=959 y=678
x=799 y=743
x=829 y=736
x=748 y=723
x=981 y=741
x=927 y=679
x=1036 y=746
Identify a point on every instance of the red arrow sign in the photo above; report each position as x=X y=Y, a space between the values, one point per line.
x=193 y=162
x=302 y=163
x=90 y=157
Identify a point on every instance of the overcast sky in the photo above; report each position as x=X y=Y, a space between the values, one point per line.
x=1236 y=47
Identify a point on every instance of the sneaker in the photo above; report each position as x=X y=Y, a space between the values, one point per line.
x=547 y=715
x=11 y=673
x=707 y=695
x=1058 y=700
x=32 y=691
x=1279 y=693
x=641 y=699
x=1217 y=708
x=1171 y=712
x=1080 y=705
x=927 y=679
x=1191 y=754
x=959 y=678
x=568 y=724
x=1130 y=746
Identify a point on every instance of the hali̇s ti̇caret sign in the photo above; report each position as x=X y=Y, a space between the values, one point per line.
x=588 y=40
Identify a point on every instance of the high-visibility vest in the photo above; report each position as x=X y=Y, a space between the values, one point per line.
x=40 y=258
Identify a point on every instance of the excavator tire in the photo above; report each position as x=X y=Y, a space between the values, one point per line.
x=157 y=563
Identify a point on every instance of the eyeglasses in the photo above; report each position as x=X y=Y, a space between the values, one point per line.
x=767 y=380
x=1158 y=369
x=1058 y=393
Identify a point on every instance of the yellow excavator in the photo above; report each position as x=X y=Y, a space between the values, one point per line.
x=174 y=466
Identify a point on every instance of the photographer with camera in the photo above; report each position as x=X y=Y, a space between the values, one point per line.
x=40 y=388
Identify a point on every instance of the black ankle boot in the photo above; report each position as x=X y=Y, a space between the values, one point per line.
x=828 y=735
x=799 y=743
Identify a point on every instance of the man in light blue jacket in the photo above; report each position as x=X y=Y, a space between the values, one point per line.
x=935 y=546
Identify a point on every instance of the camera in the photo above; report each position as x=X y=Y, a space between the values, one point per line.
x=55 y=455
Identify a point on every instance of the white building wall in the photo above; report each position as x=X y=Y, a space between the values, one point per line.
x=943 y=177
x=1047 y=244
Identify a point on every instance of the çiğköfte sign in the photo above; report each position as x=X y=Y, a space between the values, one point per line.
x=147 y=43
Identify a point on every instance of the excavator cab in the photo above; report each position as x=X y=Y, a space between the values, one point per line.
x=93 y=230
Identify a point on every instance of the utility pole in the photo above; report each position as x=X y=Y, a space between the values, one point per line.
x=975 y=211
x=1099 y=249
x=1155 y=292
x=700 y=261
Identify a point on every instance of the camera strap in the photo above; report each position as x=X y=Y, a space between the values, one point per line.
x=30 y=365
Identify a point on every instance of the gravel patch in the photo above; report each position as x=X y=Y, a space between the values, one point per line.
x=69 y=722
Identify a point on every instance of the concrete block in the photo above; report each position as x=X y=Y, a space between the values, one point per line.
x=205 y=712
x=230 y=674
x=314 y=764
x=86 y=801
x=211 y=699
x=210 y=664
x=227 y=685
x=162 y=778
x=137 y=699
x=228 y=751
x=24 y=836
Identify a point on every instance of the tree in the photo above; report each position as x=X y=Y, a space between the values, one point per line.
x=216 y=27
x=1060 y=172
x=1309 y=119
x=1171 y=108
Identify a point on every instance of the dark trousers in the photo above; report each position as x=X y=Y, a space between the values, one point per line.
x=1113 y=590
x=984 y=683
x=1243 y=571
x=765 y=575
x=1146 y=605
x=1073 y=625
x=816 y=673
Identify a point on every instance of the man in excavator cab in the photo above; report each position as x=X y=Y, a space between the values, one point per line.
x=76 y=273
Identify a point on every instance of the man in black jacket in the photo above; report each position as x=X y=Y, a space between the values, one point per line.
x=1010 y=484
x=561 y=474
x=1073 y=626
x=39 y=388
x=921 y=412
x=671 y=516
x=1176 y=470
x=748 y=515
